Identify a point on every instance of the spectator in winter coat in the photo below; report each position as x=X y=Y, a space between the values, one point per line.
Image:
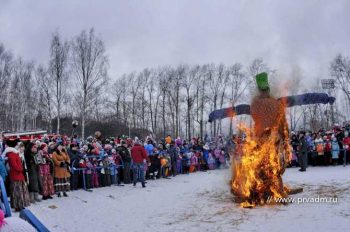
x=178 y=142
x=126 y=158
x=346 y=142
x=206 y=153
x=75 y=156
x=138 y=155
x=19 y=194
x=154 y=170
x=62 y=174
x=303 y=153
x=33 y=160
x=335 y=150
x=173 y=156
x=45 y=173
x=319 y=145
x=328 y=151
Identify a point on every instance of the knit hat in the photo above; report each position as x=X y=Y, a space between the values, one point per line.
x=262 y=81
x=42 y=146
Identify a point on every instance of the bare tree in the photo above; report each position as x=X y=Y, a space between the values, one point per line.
x=340 y=70
x=201 y=96
x=153 y=97
x=238 y=83
x=89 y=64
x=57 y=69
x=214 y=82
x=174 y=94
x=6 y=69
x=45 y=91
x=188 y=83
x=134 y=91
x=163 y=86
x=223 y=77
x=21 y=94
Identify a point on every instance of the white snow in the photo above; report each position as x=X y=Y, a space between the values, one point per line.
x=201 y=202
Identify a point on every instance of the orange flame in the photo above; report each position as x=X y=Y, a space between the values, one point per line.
x=257 y=174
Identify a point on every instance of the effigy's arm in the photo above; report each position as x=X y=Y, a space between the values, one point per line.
x=229 y=112
x=307 y=99
x=288 y=101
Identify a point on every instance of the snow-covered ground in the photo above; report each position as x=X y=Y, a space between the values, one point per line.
x=201 y=202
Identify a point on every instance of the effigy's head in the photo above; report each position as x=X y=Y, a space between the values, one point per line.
x=262 y=81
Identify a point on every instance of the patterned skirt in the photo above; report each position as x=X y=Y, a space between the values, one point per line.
x=62 y=184
x=46 y=180
x=19 y=195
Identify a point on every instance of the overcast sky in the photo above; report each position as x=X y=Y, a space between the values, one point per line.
x=288 y=35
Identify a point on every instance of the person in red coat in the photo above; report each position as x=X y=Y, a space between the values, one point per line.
x=19 y=194
x=346 y=143
x=138 y=155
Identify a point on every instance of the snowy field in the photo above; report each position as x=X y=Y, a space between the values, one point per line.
x=201 y=202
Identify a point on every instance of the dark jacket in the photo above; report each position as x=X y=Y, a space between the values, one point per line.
x=303 y=145
x=33 y=170
x=124 y=153
x=173 y=153
x=295 y=143
x=74 y=158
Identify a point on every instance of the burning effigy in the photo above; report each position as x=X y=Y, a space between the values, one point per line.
x=257 y=175
x=264 y=155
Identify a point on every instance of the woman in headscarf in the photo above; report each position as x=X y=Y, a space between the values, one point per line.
x=18 y=188
x=33 y=161
x=62 y=174
x=45 y=173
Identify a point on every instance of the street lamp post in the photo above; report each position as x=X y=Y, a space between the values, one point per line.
x=329 y=84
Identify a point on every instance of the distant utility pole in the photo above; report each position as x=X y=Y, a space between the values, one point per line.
x=329 y=85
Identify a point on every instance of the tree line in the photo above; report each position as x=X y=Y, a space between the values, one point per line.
x=173 y=100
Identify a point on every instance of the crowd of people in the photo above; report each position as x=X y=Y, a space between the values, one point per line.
x=55 y=165
x=321 y=148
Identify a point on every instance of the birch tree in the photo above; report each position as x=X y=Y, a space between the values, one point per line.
x=57 y=68
x=89 y=65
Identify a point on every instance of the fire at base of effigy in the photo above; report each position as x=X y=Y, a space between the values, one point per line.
x=257 y=171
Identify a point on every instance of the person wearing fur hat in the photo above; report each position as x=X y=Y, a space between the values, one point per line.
x=33 y=160
x=45 y=173
x=19 y=194
x=61 y=161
